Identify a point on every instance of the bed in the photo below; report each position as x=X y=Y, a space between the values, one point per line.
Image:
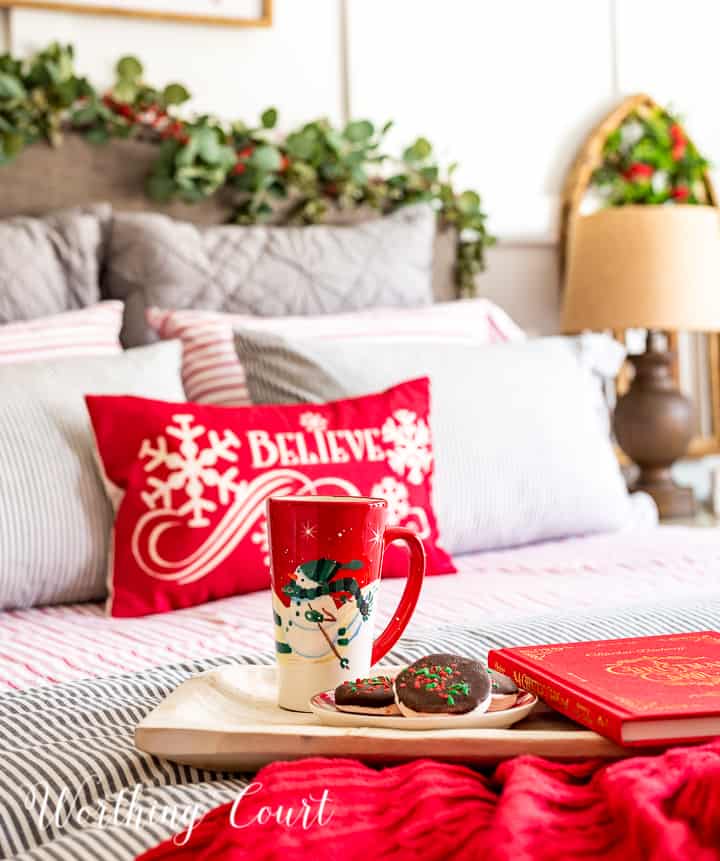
x=74 y=683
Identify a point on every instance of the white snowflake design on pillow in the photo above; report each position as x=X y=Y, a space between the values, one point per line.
x=313 y=422
x=191 y=470
x=411 y=454
x=397 y=496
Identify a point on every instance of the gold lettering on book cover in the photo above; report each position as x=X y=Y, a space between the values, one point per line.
x=541 y=652
x=543 y=691
x=583 y=711
x=673 y=670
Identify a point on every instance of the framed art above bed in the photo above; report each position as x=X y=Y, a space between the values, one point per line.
x=226 y=13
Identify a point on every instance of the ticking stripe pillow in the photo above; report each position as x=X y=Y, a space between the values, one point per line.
x=212 y=373
x=93 y=331
x=55 y=520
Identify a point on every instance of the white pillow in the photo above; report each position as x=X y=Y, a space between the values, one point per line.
x=55 y=519
x=520 y=453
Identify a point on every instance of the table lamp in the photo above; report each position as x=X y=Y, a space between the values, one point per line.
x=655 y=268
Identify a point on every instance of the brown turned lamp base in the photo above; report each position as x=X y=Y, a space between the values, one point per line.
x=671 y=499
x=653 y=425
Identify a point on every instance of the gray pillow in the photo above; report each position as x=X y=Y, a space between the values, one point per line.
x=265 y=270
x=55 y=518
x=520 y=455
x=51 y=264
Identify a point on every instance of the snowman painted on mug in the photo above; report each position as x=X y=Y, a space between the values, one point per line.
x=328 y=611
x=326 y=556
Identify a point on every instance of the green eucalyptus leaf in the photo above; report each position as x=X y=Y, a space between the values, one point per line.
x=468 y=202
x=269 y=118
x=334 y=140
x=161 y=188
x=125 y=91
x=66 y=93
x=129 y=69
x=266 y=158
x=419 y=151
x=208 y=145
x=11 y=88
x=98 y=135
x=175 y=94
x=167 y=151
x=359 y=131
x=300 y=145
x=186 y=154
x=85 y=115
x=359 y=176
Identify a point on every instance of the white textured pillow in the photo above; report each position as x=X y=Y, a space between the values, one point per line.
x=55 y=519
x=520 y=453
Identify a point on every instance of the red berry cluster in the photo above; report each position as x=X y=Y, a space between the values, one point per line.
x=151 y=116
x=642 y=172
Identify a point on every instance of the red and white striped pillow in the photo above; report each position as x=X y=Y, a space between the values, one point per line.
x=212 y=373
x=92 y=331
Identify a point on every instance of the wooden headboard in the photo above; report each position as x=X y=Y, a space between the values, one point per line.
x=78 y=173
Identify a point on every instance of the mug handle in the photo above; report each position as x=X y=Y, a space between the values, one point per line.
x=410 y=595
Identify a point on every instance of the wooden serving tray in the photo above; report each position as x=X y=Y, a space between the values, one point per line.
x=227 y=720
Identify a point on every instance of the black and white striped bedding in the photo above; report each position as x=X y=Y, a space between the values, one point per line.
x=73 y=786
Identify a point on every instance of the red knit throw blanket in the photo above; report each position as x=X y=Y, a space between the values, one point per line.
x=659 y=807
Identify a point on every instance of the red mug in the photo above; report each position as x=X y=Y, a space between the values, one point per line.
x=326 y=557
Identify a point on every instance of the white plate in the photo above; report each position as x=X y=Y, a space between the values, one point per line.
x=323 y=707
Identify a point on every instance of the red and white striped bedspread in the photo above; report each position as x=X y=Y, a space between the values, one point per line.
x=57 y=644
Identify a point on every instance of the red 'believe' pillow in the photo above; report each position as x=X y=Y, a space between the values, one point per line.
x=193 y=481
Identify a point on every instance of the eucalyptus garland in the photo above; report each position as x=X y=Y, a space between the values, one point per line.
x=304 y=174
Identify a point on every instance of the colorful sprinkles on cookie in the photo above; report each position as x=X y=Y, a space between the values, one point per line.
x=445 y=681
x=442 y=683
x=370 y=694
x=372 y=684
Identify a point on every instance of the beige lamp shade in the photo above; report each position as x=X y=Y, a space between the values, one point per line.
x=650 y=267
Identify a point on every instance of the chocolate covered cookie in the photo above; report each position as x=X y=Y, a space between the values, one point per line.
x=373 y=695
x=504 y=692
x=442 y=684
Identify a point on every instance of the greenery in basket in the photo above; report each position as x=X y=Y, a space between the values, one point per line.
x=649 y=159
x=313 y=169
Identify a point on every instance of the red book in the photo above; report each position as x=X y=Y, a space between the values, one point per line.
x=639 y=690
